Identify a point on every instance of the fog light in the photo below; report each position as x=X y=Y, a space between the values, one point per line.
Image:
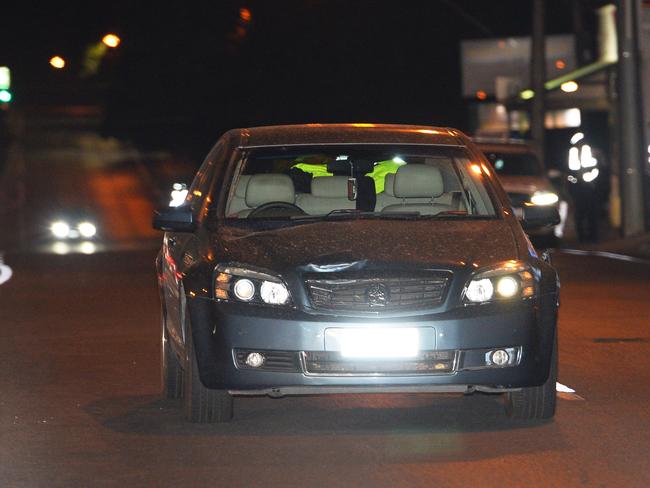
x=244 y=289
x=254 y=359
x=500 y=357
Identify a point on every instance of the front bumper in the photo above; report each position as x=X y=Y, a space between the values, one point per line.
x=459 y=339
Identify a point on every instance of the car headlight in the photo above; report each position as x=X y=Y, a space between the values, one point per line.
x=544 y=198
x=60 y=229
x=87 y=229
x=238 y=284
x=507 y=281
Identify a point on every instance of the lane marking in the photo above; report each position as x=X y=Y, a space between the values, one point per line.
x=605 y=254
x=566 y=393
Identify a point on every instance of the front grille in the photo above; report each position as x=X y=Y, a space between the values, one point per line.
x=332 y=363
x=518 y=199
x=273 y=360
x=379 y=294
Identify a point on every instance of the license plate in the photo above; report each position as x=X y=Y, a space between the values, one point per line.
x=375 y=342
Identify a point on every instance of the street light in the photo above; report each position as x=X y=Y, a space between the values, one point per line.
x=569 y=86
x=111 y=40
x=57 y=62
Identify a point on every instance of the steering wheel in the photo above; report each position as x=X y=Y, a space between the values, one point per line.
x=276 y=209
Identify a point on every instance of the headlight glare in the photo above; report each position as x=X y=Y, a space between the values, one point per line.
x=507 y=287
x=480 y=290
x=60 y=229
x=87 y=229
x=544 y=198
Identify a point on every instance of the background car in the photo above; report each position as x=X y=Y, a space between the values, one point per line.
x=280 y=282
x=525 y=180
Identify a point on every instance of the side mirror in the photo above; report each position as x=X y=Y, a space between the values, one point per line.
x=174 y=219
x=539 y=216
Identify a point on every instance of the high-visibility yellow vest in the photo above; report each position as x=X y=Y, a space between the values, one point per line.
x=315 y=170
x=379 y=172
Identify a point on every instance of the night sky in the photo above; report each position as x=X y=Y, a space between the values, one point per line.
x=190 y=70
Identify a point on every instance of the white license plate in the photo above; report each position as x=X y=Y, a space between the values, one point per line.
x=376 y=342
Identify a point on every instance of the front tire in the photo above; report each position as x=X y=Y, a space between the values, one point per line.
x=203 y=405
x=536 y=402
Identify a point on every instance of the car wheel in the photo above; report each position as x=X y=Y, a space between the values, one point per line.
x=172 y=373
x=537 y=402
x=203 y=405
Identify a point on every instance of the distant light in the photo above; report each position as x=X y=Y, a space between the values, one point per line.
x=87 y=229
x=245 y=14
x=586 y=158
x=527 y=94
x=60 y=229
x=398 y=160
x=577 y=137
x=574 y=159
x=5 y=78
x=591 y=175
x=481 y=95
x=560 y=64
x=57 y=62
x=572 y=179
x=569 y=86
x=111 y=40
x=5 y=96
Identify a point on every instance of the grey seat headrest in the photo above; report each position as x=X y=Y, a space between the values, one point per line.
x=389 y=184
x=418 y=181
x=266 y=188
x=242 y=184
x=330 y=187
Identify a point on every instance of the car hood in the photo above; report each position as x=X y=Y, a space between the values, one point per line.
x=524 y=184
x=416 y=243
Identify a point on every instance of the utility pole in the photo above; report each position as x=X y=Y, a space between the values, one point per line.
x=631 y=124
x=538 y=76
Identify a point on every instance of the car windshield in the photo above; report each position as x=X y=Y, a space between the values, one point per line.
x=298 y=183
x=515 y=164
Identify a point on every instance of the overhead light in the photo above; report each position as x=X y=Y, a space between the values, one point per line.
x=57 y=62
x=569 y=86
x=111 y=40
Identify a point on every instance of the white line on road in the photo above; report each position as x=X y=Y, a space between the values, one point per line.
x=566 y=393
x=605 y=254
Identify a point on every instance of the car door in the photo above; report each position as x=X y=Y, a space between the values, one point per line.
x=181 y=249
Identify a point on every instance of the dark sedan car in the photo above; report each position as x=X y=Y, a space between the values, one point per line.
x=353 y=258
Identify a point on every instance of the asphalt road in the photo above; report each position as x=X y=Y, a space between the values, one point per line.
x=80 y=397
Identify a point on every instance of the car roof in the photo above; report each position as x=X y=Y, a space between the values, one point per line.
x=359 y=133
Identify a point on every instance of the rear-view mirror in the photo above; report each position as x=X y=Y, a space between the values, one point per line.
x=174 y=219
x=539 y=216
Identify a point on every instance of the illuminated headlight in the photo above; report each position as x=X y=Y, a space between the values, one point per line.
x=244 y=289
x=544 y=198
x=235 y=283
x=60 y=229
x=87 y=230
x=274 y=293
x=509 y=280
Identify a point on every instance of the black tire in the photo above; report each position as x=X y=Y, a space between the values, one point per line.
x=172 y=373
x=203 y=405
x=536 y=402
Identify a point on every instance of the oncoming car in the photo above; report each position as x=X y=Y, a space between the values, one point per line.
x=524 y=179
x=286 y=272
